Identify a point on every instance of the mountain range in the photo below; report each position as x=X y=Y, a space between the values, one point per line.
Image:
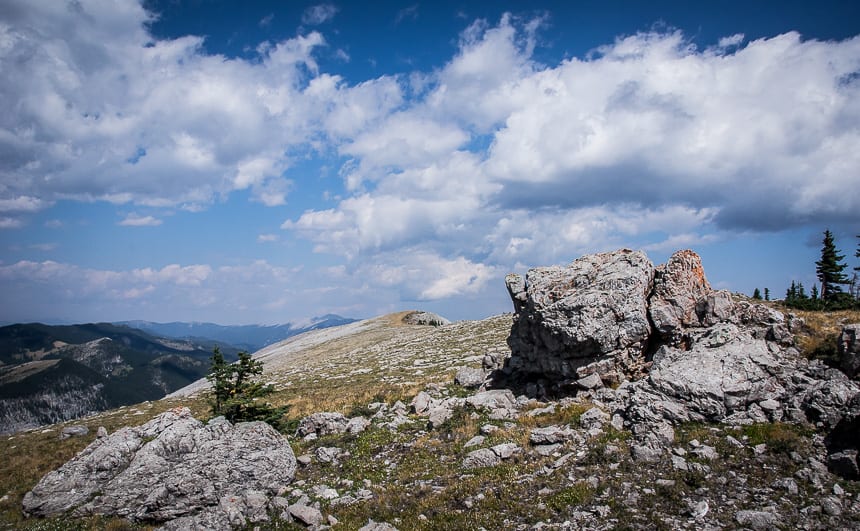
x=55 y=373
x=247 y=337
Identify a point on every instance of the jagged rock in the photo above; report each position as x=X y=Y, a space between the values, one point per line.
x=171 y=467
x=326 y=423
x=568 y=317
x=849 y=350
x=593 y=418
x=425 y=319
x=679 y=285
x=101 y=432
x=328 y=454
x=592 y=381
x=470 y=377
x=77 y=430
x=745 y=366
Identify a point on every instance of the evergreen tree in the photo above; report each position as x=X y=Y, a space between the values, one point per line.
x=766 y=294
x=814 y=292
x=829 y=269
x=756 y=294
x=237 y=393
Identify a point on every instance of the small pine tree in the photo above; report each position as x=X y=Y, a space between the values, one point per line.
x=237 y=393
x=766 y=294
x=814 y=292
x=829 y=269
x=756 y=294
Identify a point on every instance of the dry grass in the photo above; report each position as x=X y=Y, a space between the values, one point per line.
x=818 y=336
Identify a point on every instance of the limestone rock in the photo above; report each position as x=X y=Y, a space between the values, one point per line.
x=679 y=284
x=594 y=308
x=481 y=458
x=76 y=430
x=326 y=423
x=470 y=377
x=425 y=319
x=310 y=516
x=849 y=350
x=171 y=467
x=377 y=526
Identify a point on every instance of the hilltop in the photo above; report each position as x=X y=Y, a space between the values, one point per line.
x=431 y=427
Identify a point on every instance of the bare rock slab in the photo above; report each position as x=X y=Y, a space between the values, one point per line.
x=173 y=466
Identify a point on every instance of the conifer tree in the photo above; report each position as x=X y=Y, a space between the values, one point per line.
x=237 y=392
x=756 y=294
x=829 y=269
x=766 y=294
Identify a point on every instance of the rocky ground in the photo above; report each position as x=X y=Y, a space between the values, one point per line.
x=728 y=426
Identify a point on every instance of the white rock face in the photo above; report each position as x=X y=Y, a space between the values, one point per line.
x=173 y=466
x=594 y=308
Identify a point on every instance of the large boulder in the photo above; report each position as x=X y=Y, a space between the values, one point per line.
x=680 y=289
x=593 y=309
x=174 y=466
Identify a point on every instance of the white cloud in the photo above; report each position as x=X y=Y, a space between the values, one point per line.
x=23 y=204
x=135 y=220
x=10 y=223
x=319 y=14
x=267 y=238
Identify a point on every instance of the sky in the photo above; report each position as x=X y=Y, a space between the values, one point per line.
x=271 y=161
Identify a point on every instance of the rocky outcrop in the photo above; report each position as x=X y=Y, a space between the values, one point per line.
x=682 y=351
x=849 y=350
x=425 y=319
x=592 y=311
x=218 y=474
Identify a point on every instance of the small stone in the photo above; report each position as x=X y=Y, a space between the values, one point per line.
x=592 y=381
x=506 y=450
x=769 y=405
x=439 y=416
x=377 y=526
x=101 y=432
x=760 y=449
x=838 y=490
x=77 y=430
x=546 y=450
x=304 y=460
x=831 y=506
x=488 y=429
x=666 y=482
x=477 y=440
x=327 y=454
x=470 y=377
x=679 y=463
x=481 y=458
x=757 y=520
x=308 y=515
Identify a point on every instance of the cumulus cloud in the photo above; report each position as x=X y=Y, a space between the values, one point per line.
x=450 y=177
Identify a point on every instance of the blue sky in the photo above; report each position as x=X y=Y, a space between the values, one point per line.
x=266 y=162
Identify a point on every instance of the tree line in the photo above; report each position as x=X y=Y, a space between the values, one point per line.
x=838 y=291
